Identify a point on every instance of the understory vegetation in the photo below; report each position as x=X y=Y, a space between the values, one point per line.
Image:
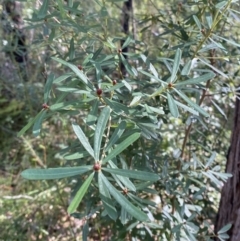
x=116 y=118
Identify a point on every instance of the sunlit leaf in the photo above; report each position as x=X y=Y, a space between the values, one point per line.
x=122 y=146
x=54 y=173
x=172 y=106
x=38 y=123
x=176 y=64
x=83 y=139
x=100 y=127
x=74 y=68
x=116 y=135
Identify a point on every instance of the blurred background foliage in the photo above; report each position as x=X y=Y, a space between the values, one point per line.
x=76 y=31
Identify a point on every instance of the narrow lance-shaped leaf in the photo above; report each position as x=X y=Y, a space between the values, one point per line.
x=74 y=68
x=176 y=64
x=214 y=68
x=72 y=50
x=116 y=135
x=83 y=139
x=128 y=206
x=43 y=10
x=130 y=69
x=187 y=108
x=38 y=124
x=122 y=146
x=30 y=123
x=140 y=175
x=48 y=87
x=101 y=124
x=124 y=180
x=197 y=80
x=127 y=42
x=194 y=105
x=187 y=67
x=80 y=194
x=106 y=198
x=54 y=173
x=172 y=106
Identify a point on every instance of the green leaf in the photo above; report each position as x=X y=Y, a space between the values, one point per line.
x=122 y=146
x=225 y=228
x=198 y=23
x=78 y=72
x=77 y=155
x=101 y=124
x=176 y=64
x=61 y=9
x=116 y=106
x=140 y=175
x=127 y=42
x=71 y=50
x=83 y=139
x=92 y=116
x=214 y=68
x=106 y=198
x=38 y=123
x=197 y=80
x=124 y=180
x=209 y=20
x=62 y=77
x=187 y=67
x=219 y=109
x=128 y=206
x=130 y=69
x=191 y=103
x=172 y=106
x=116 y=135
x=43 y=10
x=30 y=123
x=150 y=66
x=48 y=87
x=187 y=108
x=54 y=173
x=80 y=194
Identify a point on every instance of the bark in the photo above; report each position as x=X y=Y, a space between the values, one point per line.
x=229 y=208
x=125 y=22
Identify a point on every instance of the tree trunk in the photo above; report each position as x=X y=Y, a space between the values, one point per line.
x=229 y=208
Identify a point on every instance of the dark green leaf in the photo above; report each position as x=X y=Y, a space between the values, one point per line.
x=80 y=194
x=106 y=198
x=130 y=208
x=43 y=10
